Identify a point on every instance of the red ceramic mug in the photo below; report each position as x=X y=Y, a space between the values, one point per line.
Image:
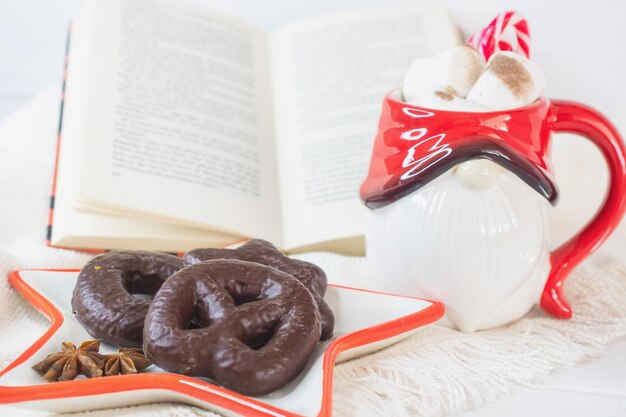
x=415 y=146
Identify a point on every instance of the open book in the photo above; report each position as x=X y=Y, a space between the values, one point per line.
x=183 y=127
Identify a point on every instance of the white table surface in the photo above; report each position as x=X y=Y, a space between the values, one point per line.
x=579 y=44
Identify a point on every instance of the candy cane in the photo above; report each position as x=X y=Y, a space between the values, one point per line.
x=507 y=32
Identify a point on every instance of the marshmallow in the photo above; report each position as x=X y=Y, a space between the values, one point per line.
x=453 y=71
x=440 y=100
x=509 y=81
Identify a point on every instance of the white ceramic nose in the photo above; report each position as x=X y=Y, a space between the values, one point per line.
x=478 y=173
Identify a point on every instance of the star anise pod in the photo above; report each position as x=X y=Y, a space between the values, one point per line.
x=125 y=361
x=72 y=361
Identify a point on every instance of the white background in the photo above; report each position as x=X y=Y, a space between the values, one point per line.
x=579 y=44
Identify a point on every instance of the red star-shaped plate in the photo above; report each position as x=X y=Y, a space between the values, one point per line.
x=365 y=321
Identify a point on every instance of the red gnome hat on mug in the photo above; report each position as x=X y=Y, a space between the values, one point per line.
x=416 y=145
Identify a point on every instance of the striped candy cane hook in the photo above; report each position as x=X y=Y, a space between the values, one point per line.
x=507 y=32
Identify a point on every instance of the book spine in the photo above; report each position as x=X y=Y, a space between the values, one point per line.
x=56 y=155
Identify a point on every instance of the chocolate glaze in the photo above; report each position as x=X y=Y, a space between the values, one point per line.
x=263 y=252
x=479 y=148
x=259 y=325
x=103 y=300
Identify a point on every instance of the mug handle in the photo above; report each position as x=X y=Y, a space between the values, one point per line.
x=582 y=120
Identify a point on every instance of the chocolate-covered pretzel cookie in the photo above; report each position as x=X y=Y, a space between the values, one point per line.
x=258 y=325
x=263 y=252
x=103 y=298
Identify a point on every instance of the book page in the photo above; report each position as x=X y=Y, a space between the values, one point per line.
x=80 y=229
x=179 y=123
x=330 y=76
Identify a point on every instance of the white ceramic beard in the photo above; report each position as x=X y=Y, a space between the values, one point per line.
x=477 y=243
